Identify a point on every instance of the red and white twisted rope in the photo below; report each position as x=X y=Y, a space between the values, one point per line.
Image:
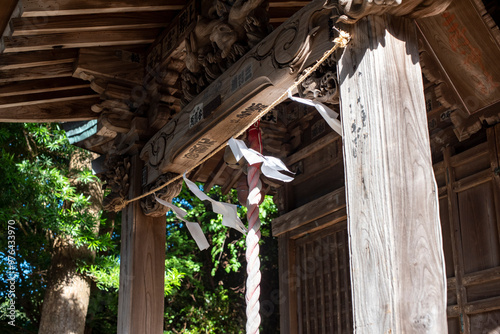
x=253 y=235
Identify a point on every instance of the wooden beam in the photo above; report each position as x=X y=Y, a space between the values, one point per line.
x=396 y=251
x=39 y=72
x=40 y=86
x=455 y=236
x=142 y=266
x=47 y=97
x=77 y=7
x=24 y=26
x=50 y=112
x=319 y=144
x=287 y=4
x=314 y=210
x=215 y=174
x=231 y=181
x=483 y=306
x=483 y=276
x=111 y=65
x=9 y=61
x=80 y=40
x=287 y=285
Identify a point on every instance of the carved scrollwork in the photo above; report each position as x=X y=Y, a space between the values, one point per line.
x=223 y=33
x=150 y=206
x=322 y=85
x=116 y=179
x=154 y=151
x=293 y=45
x=357 y=9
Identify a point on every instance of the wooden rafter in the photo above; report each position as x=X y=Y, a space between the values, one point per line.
x=47 y=97
x=79 y=40
x=40 y=86
x=107 y=64
x=287 y=4
x=78 y=7
x=10 y=61
x=48 y=112
x=39 y=72
x=23 y=26
x=215 y=174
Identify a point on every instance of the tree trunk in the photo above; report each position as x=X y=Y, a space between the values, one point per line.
x=67 y=296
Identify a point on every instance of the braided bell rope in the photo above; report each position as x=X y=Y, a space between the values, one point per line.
x=253 y=236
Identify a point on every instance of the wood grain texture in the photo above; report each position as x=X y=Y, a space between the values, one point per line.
x=40 y=86
x=47 y=97
x=397 y=264
x=466 y=52
x=11 y=61
x=493 y=137
x=314 y=210
x=22 y=26
x=142 y=269
x=482 y=306
x=334 y=218
x=321 y=269
x=286 y=292
x=81 y=39
x=357 y=9
x=48 y=112
x=456 y=240
x=38 y=72
x=108 y=64
x=480 y=277
x=329 y=139
x=479 y=228
x=76 y=7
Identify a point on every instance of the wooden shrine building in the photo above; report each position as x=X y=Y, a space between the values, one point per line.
x=393 y=227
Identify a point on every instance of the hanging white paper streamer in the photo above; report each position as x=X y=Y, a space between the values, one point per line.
x=194 y=228
x=271 y=167
x=328 y=114
x=228 y=211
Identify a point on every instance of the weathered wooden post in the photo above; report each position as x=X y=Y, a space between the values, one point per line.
x=142 y=267
x=397 y=263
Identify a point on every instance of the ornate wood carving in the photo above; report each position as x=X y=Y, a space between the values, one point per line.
x=150 y=206
x=357 y=9
x=323 y=85
x=116 y=179
x=237 y=96
x=223 y=33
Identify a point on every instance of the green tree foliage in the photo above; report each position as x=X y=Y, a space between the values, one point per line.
x=37 y=193
x=210 y=298
x=204 y=290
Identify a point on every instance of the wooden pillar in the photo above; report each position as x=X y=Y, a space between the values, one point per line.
x=397 y=262
x=142 y=265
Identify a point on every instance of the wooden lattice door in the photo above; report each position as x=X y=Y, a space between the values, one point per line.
x=323 y=284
